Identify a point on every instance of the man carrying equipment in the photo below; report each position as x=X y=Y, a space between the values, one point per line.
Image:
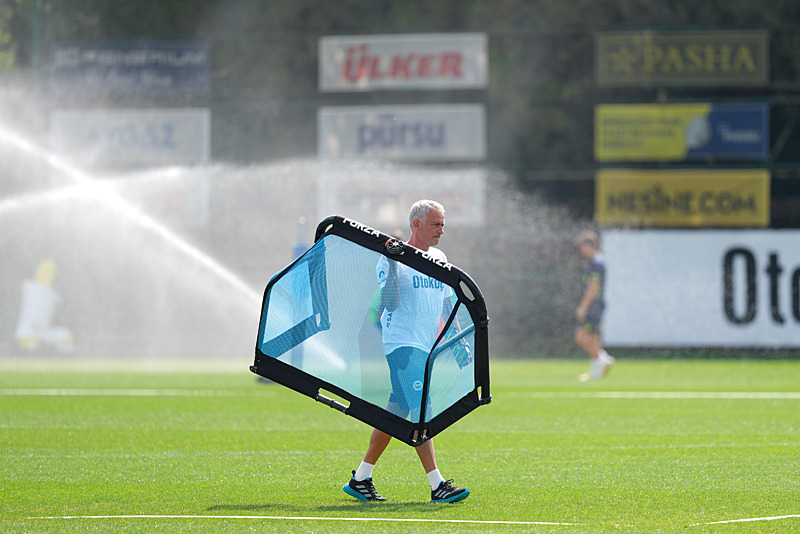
x=410 y=321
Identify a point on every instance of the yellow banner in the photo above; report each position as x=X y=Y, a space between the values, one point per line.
x=642 y=132
x=698 y=58
x=715 y=198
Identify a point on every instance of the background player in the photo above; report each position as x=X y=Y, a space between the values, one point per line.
x=590 y=309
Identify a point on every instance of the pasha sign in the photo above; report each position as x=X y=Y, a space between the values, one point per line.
x=697 y=58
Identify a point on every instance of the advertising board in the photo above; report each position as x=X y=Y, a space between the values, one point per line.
x=434 y=132
x=681 y=132
x=683 y=198
x=717 y=58
x=132 y=137
x=702 y=288
x=130 y=67
x=404 y=61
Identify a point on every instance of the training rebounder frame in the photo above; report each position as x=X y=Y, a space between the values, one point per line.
x=312 y=338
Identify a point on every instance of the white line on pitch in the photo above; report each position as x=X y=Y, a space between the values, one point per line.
x=154 y=392
x=737 y=395
x=750 y=519
x=293 y=518
x=122 y=392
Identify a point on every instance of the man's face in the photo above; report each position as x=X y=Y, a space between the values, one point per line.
x=586 y=249
x=431 y=230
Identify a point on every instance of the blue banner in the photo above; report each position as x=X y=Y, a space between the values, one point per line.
x=733 y=131
x=130 y=67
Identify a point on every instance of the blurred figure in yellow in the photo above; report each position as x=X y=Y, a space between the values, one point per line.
x=37 y=309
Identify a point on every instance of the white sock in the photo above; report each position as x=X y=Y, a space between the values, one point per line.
x=436 y=478
x=364 y=471
x=604 y=356
x=597 y=367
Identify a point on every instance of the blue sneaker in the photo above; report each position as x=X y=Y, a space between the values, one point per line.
x=446 y=492
x=363 y=490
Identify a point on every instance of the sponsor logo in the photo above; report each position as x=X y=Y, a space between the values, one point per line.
x=730 y=58
x=130 y=55
x=739 y=258
x=395 y=247
x=427 y=282
x=131 y=66
x=364 y=228
x=359 y=65
x=437 y=261
x=388 y=134
x=157 y=135
x=683 y=198
x=660 y=200
x=417 y=385
x=729 y=134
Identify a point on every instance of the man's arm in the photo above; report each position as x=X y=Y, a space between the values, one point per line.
x=589 y=295
x=390 y=293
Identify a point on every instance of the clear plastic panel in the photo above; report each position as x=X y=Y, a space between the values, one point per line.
x=348 y=352
x=453 y=369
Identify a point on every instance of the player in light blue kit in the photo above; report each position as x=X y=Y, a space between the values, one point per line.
x=413 y=306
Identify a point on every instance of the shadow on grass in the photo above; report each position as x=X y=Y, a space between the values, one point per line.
x=383 y=506
x=345 y=507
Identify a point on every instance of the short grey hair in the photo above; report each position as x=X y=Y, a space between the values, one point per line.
x=421 y=209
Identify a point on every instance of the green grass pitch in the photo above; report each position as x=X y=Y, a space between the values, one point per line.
x=179 y=446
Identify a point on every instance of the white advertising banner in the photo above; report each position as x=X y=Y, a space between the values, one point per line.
x=407 y=61
x=702 y=288
x=132 y=137
x=436 y=132
x=381 y=197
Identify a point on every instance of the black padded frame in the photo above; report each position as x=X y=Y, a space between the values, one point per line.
x=468 y=294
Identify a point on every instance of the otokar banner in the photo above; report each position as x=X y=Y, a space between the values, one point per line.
x=438 y=132
x=696 y=198
x=702 y=288
x=132 y=137
x=715 y=58
x=133 y=67
x=681 y=132
x=403 y=61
